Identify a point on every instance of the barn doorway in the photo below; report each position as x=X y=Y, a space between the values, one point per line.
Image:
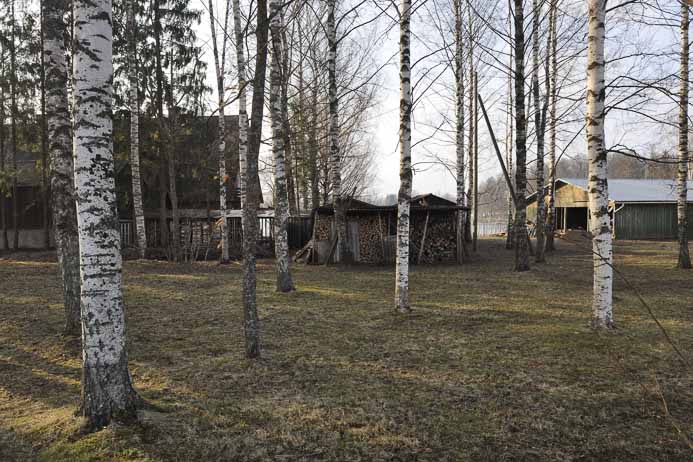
x=575 y=218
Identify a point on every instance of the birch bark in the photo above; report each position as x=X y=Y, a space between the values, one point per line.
x=281 y=208
x=684 y=259
x=598 y=192
x=248 y=200
x=61 y=163
x=221 y=132
x=405 y=172
x=539 y=129
x=335 y=161
x=459 y=132
x=140 y=230
x=107 y=391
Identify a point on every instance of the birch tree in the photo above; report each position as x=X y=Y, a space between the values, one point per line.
x=335 y=162
x=140 y=230
x=248 y=170
x=107 y=391
x=598 y=193
x=219 y=65
x=459 y=129
x=281 y=208
x=62 y=166
x=520 y=226
x=405 y=171
x=684 y=259
x=539 y=131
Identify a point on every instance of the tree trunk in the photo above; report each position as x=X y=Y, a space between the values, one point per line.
x=107 y=391
x=598 y=192
x=61 y=162
x=520 y=226
x=462 y=251
x=13 y=128
x=140 y=229
x=159 y=101
x=258 y=102
x=509 y=136
x=3 y=198
x=684 y=260
x=405 y=172
x=313 y=150
x=470 y=139
x=281 y=207
x=539 y=128
x=475 y=162
x=553 y=39
x=221 y=129
x=45 y=190
x=338 y=201
x=172 y=184
x=248 y=197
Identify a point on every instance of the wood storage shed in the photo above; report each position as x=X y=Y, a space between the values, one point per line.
x=372 y=232
x=640 y=209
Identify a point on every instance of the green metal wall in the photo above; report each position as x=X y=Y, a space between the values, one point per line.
x=649 y=221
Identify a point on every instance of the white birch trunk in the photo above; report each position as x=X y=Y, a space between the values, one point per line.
x=598 y=192
x=462 y=251
x=509 y=135
x=539 y=133
x=221 y=129
x=248 y=201
x=333 y=134
x=61 y=162
x=281 y=207
x=405 y=172
x=140 y=230
x=684 y=259
x=107 y=390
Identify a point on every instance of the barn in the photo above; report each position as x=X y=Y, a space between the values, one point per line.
x=372 y=232
x=640 y=209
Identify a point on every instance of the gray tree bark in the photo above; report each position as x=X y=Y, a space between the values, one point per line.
x=598 y=191
x=405 y=173
x=553 y=45
x=107 y=391
x=249 y=199
x=520 y=225
x=61 y=163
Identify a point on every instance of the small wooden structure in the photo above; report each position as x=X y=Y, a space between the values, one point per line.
x=640 y=209
x=372 y=232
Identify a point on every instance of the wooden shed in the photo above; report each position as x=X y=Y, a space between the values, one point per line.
x=372 y=232
x=640 y=209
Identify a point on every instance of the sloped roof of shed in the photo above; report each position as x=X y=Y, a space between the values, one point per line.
x=627 y=190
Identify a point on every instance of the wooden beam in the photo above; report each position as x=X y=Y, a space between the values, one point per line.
x=423 y=237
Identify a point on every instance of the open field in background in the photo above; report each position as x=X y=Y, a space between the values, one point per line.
x=492 y=365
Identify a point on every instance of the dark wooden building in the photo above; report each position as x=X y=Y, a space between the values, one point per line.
x=640 y=209
x=372 y=232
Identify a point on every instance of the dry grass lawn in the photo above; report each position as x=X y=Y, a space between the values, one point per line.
x=492 y=365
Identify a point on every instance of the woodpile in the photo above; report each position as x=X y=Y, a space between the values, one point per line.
x=439 y=240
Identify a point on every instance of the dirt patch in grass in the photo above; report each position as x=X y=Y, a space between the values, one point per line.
x=492 y=364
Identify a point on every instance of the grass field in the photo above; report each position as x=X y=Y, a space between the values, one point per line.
x=492 y=365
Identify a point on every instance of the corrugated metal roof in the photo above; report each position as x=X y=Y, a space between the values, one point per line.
x=626 y=190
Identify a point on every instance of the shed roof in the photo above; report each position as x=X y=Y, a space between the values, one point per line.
x=628 y=190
